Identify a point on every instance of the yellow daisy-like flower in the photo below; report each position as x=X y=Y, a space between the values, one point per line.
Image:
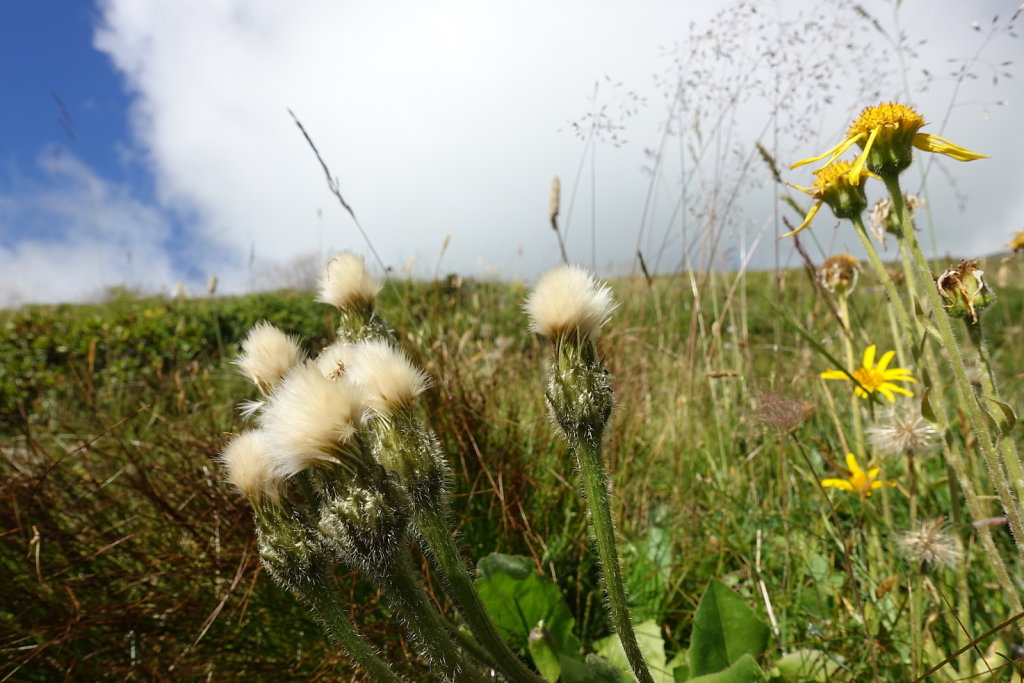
x=833 y=186
x=873 y=377
x=1017 y=243
x=886 y=134
x=859 y=481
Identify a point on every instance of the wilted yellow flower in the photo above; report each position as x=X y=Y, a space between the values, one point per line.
x=873 y=377
x=859 y=481
x=834 y=185
x=839 y=273
x=886 y=134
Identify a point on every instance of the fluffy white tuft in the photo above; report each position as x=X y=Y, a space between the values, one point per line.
x=335 y=360
x=345 y=282
x=249 y=466
x=267 y=354
x=568 y=299
x=388 y=377
x=309 y=416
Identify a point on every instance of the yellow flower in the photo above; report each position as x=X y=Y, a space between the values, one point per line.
x=886 y=134
x=873 y=377
x=834 y=185
x=859 y=481
x=1017 y=243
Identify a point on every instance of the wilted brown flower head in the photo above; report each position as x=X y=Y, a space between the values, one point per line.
x=839 y=273
x=781 y=412
x=964 y=290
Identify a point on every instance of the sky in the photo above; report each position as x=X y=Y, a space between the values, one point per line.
x=150 y=145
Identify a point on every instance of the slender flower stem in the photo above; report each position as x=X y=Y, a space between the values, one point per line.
x=441 y=549
x=965 y=393
x=327 y=609
x=851 y=362
x=883 y=276
x=397 y=579
x=595 y=486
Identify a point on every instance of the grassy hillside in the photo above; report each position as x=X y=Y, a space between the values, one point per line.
x=125 y=556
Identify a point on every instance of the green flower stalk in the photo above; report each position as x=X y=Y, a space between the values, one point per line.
x=405 y=446
x=292 y=553
x=568 y=307
x=346 y=285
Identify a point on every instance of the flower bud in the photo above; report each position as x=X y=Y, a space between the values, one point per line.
x=964 y=290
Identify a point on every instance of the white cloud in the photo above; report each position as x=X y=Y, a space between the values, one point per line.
x=444 y=117
x=73 y=235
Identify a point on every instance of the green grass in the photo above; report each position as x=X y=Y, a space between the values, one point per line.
x=124 y=555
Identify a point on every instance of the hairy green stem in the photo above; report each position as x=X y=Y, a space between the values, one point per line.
x=442 y=551
x=327 y=609
x=595 y=486
x=965 y=393
x=397 y=579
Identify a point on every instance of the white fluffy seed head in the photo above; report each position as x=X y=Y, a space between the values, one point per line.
x=568 y=299
x=335 y=360
x=345 y=282
x=309 y=417
x=249 y=466
x=388 y=377
x=267 y=354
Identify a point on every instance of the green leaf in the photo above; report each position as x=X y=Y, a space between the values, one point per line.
x=724 y=630
x=1009 y=418
x=927 y=411
x=545 y=656
x=652 y=647
x=807 y=666
x=650 y=567
x=518 y=599
x=744 y=670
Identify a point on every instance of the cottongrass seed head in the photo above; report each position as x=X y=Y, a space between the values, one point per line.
x=249 y=467
x=568 y=300
x=388 y=378
x=345 y=282
x=309 y=418
x=930 y=546
x=267 y=354
x=902 y=432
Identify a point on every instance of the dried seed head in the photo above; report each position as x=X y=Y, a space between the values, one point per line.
x=345 y=282
x=309 y=419
x=335 y=359
x=783 y=413
x=901 y=433
x=249 y=467
x=388 y=378
x=930 y=546
x=964 y=290
x=267 y=354
x=568 y=301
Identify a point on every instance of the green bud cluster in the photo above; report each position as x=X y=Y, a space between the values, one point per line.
x=293 y=554
x=405 y=446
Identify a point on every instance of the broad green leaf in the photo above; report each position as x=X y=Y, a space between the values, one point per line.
x=744 y=670
x=807 y=666
x=650 y=567
x=1006 y=420
x=542 y=650
x=518 y=599
x=600 y=670
x=724 y=630
x=652 y=646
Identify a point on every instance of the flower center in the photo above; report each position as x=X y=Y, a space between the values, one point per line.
x=890 y=114
x=869 y=379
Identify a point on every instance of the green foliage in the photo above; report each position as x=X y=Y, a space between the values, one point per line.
x=725 y=629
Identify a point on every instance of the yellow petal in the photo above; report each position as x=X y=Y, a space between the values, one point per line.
x=884 y=362
x=835 y=151
x=834 y=374
x=851 y=464
x=807 y=220
x=933 y=143
x=895 y=387
x=858 y=166
x=837 y=483
x=869 y=357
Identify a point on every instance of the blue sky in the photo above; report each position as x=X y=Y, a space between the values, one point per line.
x=445 y=122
